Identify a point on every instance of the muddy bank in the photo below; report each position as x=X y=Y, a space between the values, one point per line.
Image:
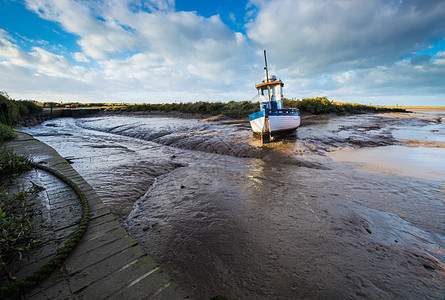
x=222 y=137
x=223 y=214
x=296 y=236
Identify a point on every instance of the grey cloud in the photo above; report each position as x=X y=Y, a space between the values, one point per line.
x=420 y=59
x=328 y=36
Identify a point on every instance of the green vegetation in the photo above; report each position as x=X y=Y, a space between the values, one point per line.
x=322 y=105
x=55 y=261
x=232 y=109
x=12 y=111
x=15 y=225
x=6 y=133
x=11 y=164
x=15 y=216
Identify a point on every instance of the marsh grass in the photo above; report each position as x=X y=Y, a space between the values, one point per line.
x=15 y=216
x=232 y=109
x=6 y=133
x=12 y=164
x=16 y=109
x=322 y=105
x=15 y=226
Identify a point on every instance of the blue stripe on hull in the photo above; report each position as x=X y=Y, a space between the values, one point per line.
x=274 y=112
x=279 y=120
x=278 y=113
x=256 y=115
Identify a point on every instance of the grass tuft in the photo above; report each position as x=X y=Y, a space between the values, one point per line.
x=15 y=225
x=6 y=133
x=12 y=164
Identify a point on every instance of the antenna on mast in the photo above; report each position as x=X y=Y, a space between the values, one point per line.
x=267 y=80
x=265 y=68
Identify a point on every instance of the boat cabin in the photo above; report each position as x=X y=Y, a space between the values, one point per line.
x=270 y=93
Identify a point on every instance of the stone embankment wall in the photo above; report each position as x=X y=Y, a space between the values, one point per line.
x=48 y=114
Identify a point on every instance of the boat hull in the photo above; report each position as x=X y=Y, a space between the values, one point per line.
x=274 y=122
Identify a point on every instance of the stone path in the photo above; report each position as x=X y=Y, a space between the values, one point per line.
x=107 y=263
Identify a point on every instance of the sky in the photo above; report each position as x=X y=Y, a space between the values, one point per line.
x=382 y=52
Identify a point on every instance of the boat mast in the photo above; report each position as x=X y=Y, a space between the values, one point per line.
x=265 y=68
x=267 y=78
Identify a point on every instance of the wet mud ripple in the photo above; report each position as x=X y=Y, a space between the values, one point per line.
x=209 y=140
x=217 y=231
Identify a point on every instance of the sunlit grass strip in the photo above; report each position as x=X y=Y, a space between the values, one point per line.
x=6 y=133
x=239 y=109
x=322 y=105
x=233 y=109
x=230 y=109
x=49 y=267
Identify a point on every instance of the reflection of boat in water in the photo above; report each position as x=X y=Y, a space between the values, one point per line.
x=273 y=119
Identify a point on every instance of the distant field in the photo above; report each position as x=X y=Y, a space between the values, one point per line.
x=421 y=108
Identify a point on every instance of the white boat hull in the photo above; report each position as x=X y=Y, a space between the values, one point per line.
x=276 y=124
x=258 y=125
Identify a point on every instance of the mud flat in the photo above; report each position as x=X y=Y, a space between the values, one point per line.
x=307 y=216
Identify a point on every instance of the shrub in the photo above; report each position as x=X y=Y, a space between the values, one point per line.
x=6 y=133
x=12 y=164
x=17 y=109
x=233 y=109
x=322 y=105
x=15 y=225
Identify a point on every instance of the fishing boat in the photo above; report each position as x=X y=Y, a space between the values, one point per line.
x=273 y=119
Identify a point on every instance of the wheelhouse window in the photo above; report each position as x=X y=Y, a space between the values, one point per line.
x=264 y=92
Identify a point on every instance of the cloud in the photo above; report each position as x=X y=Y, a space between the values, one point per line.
x=184 y=42
x=37 y=60
x=402 y=82
x=133 y=50
x=420 y=59
x=144 y=50
x=23 y=69
x=80 y=57
x=351 y=49
x=99 y=37
x=314 y=37
x=232 y=17
x=440 y=58
x=4 y=35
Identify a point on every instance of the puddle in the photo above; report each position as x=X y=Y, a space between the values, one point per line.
x=417 y=162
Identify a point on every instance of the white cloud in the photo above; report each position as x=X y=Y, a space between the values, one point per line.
x=38 y=62
x=187 y=44
x=12 y=53
x=232 y=17
x=99 y=38
x=4 y=35
x=147 y=51
x=80 y=57
x=440 y=60
x=143 y=50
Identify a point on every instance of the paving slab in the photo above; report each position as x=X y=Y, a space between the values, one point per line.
x=107 y=263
